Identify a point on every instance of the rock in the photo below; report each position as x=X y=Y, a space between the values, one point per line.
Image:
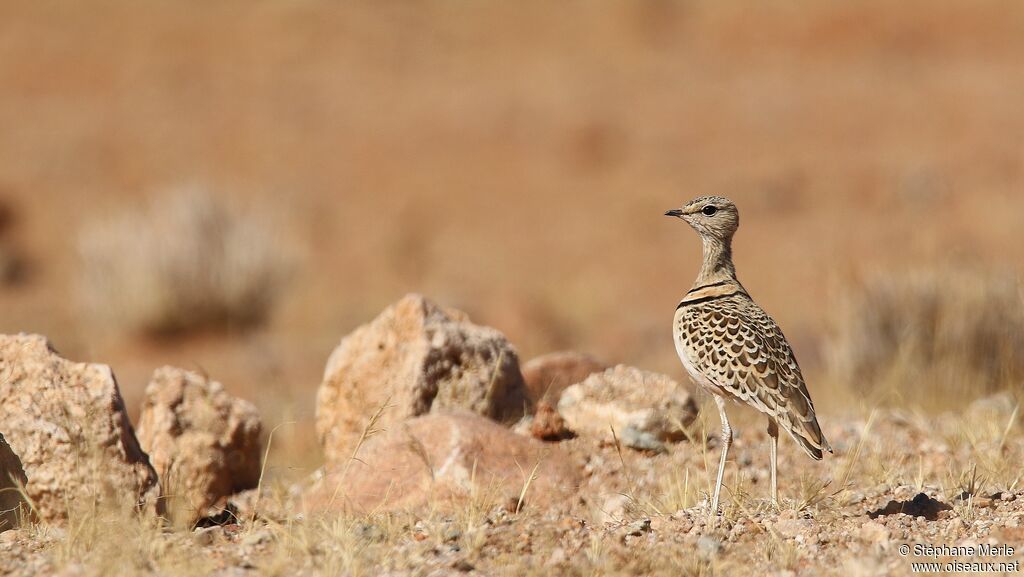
x=548 y=375
x=638 y=528
x=641 y=440
x=641 y=406
x=12 y=480
x=444 y=457
x=203 y=442
x=67 y=423
x=874 y=533
x=793 y=528
x=417 y=357
x=548 y=425
x=708 y=547
x=206 y=536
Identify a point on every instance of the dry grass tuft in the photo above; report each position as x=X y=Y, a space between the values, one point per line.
x=184 y=262
x=931 y=335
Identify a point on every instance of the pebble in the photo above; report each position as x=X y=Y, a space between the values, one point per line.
x=206 y=535
x=452 y=534
x=637 y=528
x=257 y=537
x=708 y=546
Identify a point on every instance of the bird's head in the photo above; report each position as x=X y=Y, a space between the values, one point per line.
x=713 y=217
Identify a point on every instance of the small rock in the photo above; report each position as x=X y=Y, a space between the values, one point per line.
x=874 y=533
x=204 y=443
x=207 y=535
x=634 y=403
x=256 y=538
x=548 y=425
x=637 y=528
x=548 y=375
x=416 y=357
x=983 y=502
x=641 y=440
x=793 y=528
x=708 y=546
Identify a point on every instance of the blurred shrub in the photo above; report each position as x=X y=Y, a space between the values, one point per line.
x=185 y=262
x=931 y=335
x=13 y=263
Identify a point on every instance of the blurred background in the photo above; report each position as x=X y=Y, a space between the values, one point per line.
x=233 y=187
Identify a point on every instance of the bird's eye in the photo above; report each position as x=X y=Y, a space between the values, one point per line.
x=709 y=210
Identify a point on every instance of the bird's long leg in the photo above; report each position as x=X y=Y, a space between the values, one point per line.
x=726 y=443
x=773 y=439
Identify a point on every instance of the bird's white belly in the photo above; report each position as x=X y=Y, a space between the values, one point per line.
x=697 y=376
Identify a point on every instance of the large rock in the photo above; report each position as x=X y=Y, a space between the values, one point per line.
x=204 y=443
x=444 y=458
x=417 y=357
x=644 y=408
x=12 y=482
x=548 y=375
x=67 y=423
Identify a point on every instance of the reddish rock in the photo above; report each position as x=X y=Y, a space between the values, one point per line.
x=67 y=423
x=548 y=425
x=440 y=458
x=417 y=357
x=204 y=443
x=548 y=375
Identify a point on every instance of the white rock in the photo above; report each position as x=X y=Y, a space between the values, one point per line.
x=638 y=405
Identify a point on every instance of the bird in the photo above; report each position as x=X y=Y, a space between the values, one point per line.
x=730 y=347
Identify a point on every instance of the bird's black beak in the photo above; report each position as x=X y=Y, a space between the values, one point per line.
x=674 y=212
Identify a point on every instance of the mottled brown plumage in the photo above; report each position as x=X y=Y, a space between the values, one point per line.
x=732 y=348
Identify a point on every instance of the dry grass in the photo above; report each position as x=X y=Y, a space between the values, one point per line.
x=480 y=535
x=186 y=261
x=931 y=336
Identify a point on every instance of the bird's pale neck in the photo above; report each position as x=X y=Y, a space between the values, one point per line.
x=717 y=265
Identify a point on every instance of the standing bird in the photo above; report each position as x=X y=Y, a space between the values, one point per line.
x=732 y=348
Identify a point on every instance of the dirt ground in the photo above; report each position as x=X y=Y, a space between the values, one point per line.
x=946 y=488
x=514 y=161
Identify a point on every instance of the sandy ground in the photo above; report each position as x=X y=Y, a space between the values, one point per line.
x=896 y=479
